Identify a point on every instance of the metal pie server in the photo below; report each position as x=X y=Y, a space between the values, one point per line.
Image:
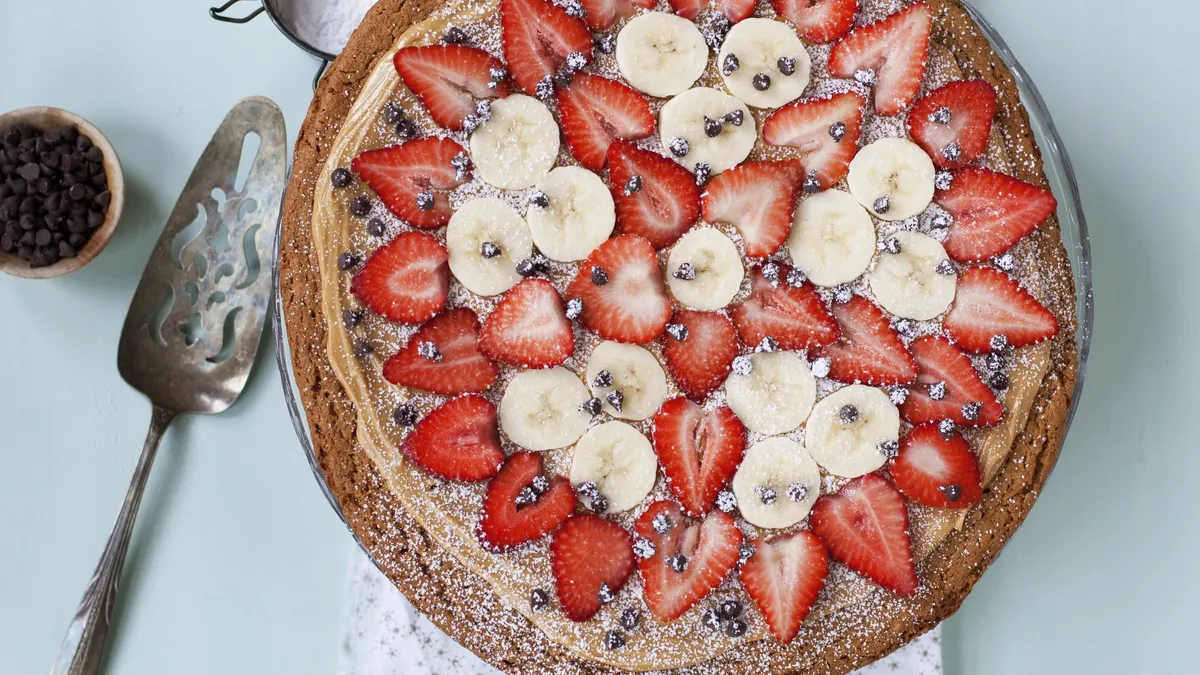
x=194 y=325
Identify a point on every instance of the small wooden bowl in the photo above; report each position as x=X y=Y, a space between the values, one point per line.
x=44 y=119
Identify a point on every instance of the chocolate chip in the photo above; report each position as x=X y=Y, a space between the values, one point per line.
x=631 y=617
x=462 y=162
x=678 y=563
x=363 y=349
x=726 y=501
x=677 y=331
x=526 y=497
x=574 y=308
x=361 y=206
x=736 y=628
x=889 y=449
x=837 y=131
x=702 y=171
x=730 y=64
x=866 y=77
x=952 y=152
x=994 y=362
x=376 y=227
x=643 y=548
x=544 y=88
x=891 y=245
x=729 y=609
x=599 y=503
x=30 y=172
x=943 y=180
x=953 y=492
x=616 y=399
x=971 y=410
x=605 y=43
x=66 y=250
x=743 y=365
x=603 y=380
x=352 y=318
x=633 y=185
x=661 y=523
x=761 y=81
x=525 y=267
x=940 y=221
x=539 y=599
x=797 y=492
x=1005 y=262
x=940 y=116
x=429 y=351
x=937 y=391
x=848 y=414
x=998 y=381
x=712 y=128
x=787 y=65
x=614 y=639
x=735 y=117
x=685 y=272
x=406 y=129
x=605 y=595
x=348 y=261
x=882 y=205
x=767 y=345
x=679 y=147
x=425 y=201
x=710 y=619
x=455 y=36
x=714 y=27
x=341 y=177
x=599 y=276
x=998 y=343
x=843 y=294
x=898 y=395
x=947 y=429
x=766 y=495
x=495 y=77
x=489 y=250
x=821 y=367
x=539 y=199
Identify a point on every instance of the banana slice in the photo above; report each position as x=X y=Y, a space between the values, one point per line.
x=628 y=379
x=685 y=123
x=705 y=270
x=517 y=145
x=776 y=395
x=892 y=178
x=853 y=431
x=542 y=409
x=914 y=283
x=486 y=239
x=579 y=217
x=764 y=63
x=661 y=54
x=618 y=460
x=776 y=484
x=832 y=239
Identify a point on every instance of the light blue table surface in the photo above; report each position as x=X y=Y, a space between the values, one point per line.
x=238 y=563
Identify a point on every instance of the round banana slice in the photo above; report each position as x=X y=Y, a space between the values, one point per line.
x=661 y=54
x=579 y=217
x=705 y=270
x=628 y=379
x=764 y=63
x=914 y=283
x=542 y=409
x=776 y=395
x=517 y=145
x=618 y=460
x=850 y=430
x=776 y=484
x=892 y=178
x=486 y=239
x=685 y=122
x=832 y=239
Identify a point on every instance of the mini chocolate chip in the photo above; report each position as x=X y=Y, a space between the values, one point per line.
x=661 y=523
x=616 y=399
x=710 y=619
x=605 y=595
x=882 y=205
x=540 y=484
x=945 y=268
x=348 y=261
x=341 y=177
x=539 y=599
x=633 y=185
x=361 y=206
x=953 y=492
x=574 y=308
x=614 y=639
x=736 y=628
x=898 y=395
x=429 y=351
x=811 y=184
x=998 y=381
x=495 y=77
x=376 y=227
x=947 y=429
x=678 y=563
x=679 y=147
x=425 y=201
x=998 y=343
x=743 y=365
x=971 y=410
x=761 y=81
x=843 y=294
x=786 y=65
x=765 y=495
x=462 y=162
x=866 y=77
x=995 y=362
x=363 y=349
x=392 y=113
x=605 y=43
x=943 y=180
x=489 y=250
x=891 y=245
x=406 y=129
x=352 y=318
x=525 y=267
x=726 y=501
x=599 y=503
x=820 y=367
x=1005 y=262
x=940 y=116
x=729 y=609
x=544 y=88
x=539 y=199
x=563 y=77
x=77 y=192
x=767 y=345
x=599 y=276
x=797 y=492
x=587 y=489
x=940 y=221
x=730 y=64
x=685 y=272
x=848 y=414
x=525 y=497
x=937 y=391
x=837 y=131
x=712 y=128
x=889 y=449
x=735 y=117
x=603 y=380
x=677 y=331
x=643 y=548
x=702 y=171
x=455 y=36
x=952 y=152
x=630 y=618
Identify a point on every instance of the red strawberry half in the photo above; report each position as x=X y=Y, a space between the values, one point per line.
x=794 y=316
x=586 y=553
x=519 y=508
x=827 y=129
x=443 y=357
x=948 y=388
x=595 y=111
x=661 y=204
x=991 y=212
x=988 y=303
x=458 y=441
x=935 y=471
x=954 y=122
x=700 y=355
x=602 y=14
x=893 y=51
x=529 y=327
x=407 y=280
x=758 y=198
x=624 y=296
x=865 y=526
x=538 y=37
x=734 y=10
x=699 y=451
x=783 y=577
x=819 y=21
x=448 y=79
x=869 y=350
x=689 y=560
x=400 y=173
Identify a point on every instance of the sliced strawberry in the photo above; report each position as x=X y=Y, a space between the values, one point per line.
x=689 y=561
x=988 y=303
x=954 y=122
x=869 y=350
x=794 y=316
x=538 y=37
x=688 y=9
x=515 y=511
x=827 y=129
x=398 y=174
x=783 y=577
x=865 y=526
x=758 y=198
x=734 y=10
x=595 y=111
x=965 y=395
x=699 y=451
x=448 y=79
x=602 y=14
x=666 y=202
x=458 y=441
x=407 y=280
x=700 y=361
x=624 y=296
x=529 y=327
x=894 y=49
x=991 y=212
x=458 y=367
x=819 y=21
x=932 y=470
x=587 y=552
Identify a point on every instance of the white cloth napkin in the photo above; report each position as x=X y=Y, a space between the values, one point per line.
x=382 y=634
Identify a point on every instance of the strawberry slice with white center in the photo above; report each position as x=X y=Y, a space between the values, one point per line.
x=449 y=79
x=523 y=503
x=689 y=560
x=407 y=280
x=865 y=526
x=869 y=350
x=991 y=211
x=734 y=10
x=458 y=441
x=783 y=577
x=758 y=198
x=589 y=552
x=602 y=14
x=443 y=357
x=819 y=21
x=936 y=471
x=662 y=201
x=891 y=53
x=700 y=352
x=595 y=111
x=948 y=388
x=699 y=451
x=538 y=37
x=988 y=303
x=529 y=327
x=954 y=122
x=622 y=289
x=794 y=317
x=827 y=129
x=401 y=173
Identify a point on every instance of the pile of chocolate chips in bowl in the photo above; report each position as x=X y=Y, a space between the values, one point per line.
x=53 y=193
